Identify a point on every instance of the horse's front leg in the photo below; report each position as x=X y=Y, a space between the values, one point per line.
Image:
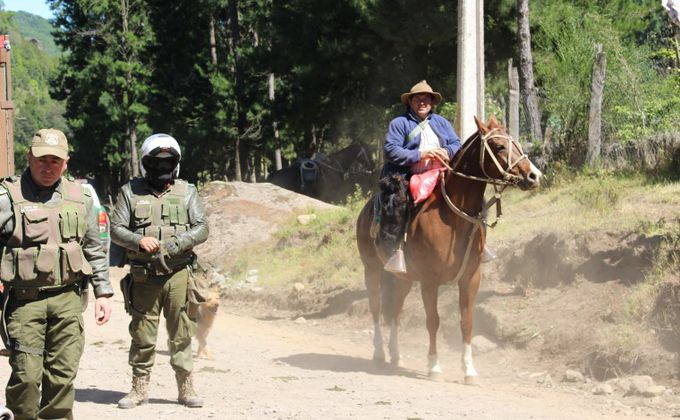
x=429 y=292
x=466 y=299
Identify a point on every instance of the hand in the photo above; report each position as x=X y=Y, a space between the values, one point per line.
x=102 y=310
x=171 y=246
x=439 y=153
x=149 y=244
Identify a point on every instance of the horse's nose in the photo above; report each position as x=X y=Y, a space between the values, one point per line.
x=534 y=176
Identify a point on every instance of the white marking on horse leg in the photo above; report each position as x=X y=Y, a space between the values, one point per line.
x=468 y=367
x=433 y=367
x=378 y=352
x=394 y=343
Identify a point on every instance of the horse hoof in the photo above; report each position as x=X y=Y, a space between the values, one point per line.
x=470 y=380
x=435 y=376
x=377 y=360
x=394 y=362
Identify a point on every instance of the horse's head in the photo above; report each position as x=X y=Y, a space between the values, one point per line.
x=501 y=157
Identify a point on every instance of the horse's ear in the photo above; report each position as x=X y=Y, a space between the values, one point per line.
x=480 y=125
x=493 y=121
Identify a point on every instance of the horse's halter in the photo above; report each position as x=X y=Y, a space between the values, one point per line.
x=507 y=177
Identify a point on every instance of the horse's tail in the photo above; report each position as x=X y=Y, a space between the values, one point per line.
x=394 y=200
x=387 y=296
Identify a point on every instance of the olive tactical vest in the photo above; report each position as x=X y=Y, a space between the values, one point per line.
x=45 y=250
x=159 y=217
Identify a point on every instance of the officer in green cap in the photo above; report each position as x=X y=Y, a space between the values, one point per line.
x=159 y=219
x=51 y=246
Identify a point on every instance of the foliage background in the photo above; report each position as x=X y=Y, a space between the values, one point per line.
x=202 y=71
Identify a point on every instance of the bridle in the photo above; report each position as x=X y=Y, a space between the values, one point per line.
x=507 y=177
x=499 y=185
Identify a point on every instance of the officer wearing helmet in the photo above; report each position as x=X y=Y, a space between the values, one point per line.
x=51 y=249
x=158 y=219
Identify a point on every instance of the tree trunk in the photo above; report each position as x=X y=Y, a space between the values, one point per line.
x=272 y=96
x=235 y=38
x=213 y=41
x=513 y=101
x=466 y=73
x=595 y=119
x=526 y=71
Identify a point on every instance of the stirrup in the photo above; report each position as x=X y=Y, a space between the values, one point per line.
x=396 y=263
x=488 y=255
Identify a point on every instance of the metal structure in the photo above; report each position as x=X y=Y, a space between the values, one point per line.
x=6 y=110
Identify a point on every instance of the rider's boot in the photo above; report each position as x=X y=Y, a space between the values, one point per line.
x=488 y=254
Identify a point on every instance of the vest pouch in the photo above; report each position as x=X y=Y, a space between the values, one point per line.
x=8 y=264
x=73 y=262
x=139 y=273
x=26 y=263
x=179 y=229
x=68 y=224
x=36 y=225
x=152 y=231
x=167 y=232
x=142 y=214
x=47 y=259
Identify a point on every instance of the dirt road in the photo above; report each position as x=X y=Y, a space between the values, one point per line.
x=283 y=369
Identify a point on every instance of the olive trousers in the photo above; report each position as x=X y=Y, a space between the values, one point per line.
x=48 y=340
x=152 y=296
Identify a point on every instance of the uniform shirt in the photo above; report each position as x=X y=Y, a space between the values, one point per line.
x=92 y=246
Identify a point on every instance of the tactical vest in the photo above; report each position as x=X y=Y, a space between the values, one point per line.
x=45 y=250
x=160 y=217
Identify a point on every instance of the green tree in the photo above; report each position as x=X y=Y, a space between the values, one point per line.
x=104 y=78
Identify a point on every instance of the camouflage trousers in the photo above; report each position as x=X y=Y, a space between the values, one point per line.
x=48 y=340
x=151 y=297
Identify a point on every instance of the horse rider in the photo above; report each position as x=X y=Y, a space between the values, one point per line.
x=417 y=141
x=51 y=248
x=158 y=219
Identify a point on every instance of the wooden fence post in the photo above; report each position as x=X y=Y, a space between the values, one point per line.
x=595 y=119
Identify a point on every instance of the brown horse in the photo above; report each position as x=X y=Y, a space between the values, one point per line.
x=445 y=239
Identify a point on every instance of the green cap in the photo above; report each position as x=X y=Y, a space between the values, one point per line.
x=49 y=141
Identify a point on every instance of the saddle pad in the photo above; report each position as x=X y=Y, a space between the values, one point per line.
x=422 y=185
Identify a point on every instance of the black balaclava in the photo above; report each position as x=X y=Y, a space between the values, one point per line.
x=160 y=171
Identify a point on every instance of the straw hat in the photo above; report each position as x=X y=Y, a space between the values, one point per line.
x=421 y=87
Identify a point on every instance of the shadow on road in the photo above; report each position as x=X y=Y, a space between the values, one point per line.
x=339 y=363
x=105 y=396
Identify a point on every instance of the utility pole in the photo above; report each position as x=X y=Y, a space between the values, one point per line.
x=6 y=110
x=466 y=74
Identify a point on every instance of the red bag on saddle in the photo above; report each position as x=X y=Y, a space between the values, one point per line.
x=422 y=185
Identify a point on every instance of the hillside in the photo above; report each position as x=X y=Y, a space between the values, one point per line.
x=36 y=30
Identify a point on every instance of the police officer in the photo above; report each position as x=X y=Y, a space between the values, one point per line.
x=50 y=244
x=158 y=219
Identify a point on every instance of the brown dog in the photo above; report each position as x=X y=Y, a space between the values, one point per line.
x=207 y=311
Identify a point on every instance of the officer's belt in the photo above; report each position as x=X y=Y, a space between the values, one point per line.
x=35 y=293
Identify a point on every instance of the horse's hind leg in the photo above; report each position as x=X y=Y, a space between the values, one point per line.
x=372 y=280
x=394 y=293
x=466 y=299
x=429 y=292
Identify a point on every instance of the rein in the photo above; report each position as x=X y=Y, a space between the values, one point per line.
x=499 y=185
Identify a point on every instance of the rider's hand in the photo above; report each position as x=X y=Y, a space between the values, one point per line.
x=439 y=153
x=149 y=244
